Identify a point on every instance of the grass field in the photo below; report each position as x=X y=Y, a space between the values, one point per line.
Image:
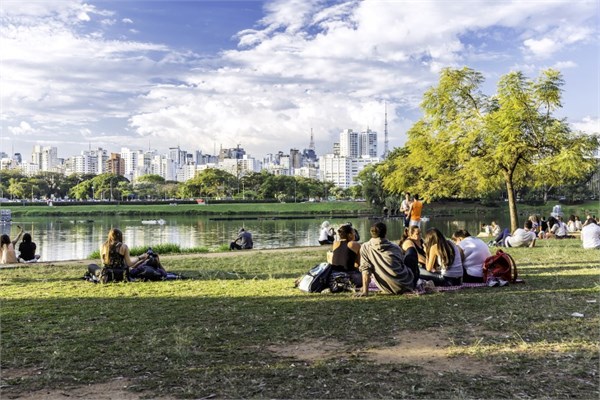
x=239 y=329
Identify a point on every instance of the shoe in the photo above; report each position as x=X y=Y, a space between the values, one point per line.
x=492 y=282
x=502 y=282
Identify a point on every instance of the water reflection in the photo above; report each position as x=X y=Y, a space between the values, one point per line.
x=67 y=239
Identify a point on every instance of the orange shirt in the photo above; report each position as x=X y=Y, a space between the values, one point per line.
x=417 y=207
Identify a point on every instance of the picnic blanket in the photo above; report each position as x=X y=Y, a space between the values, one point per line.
x=373 y=287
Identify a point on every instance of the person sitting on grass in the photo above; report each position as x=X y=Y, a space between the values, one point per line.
x=243 y=241
x=412 y=244
x=8 y=255
x=558 y=230
x=522 y=237
x=115 y=253
x=27 y=250
x=444 y=265
x=346 y=254
x=590 y=234
x=475 y=251
x=384 y=261
x=327 y=234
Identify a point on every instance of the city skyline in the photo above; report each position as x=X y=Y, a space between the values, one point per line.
x=211 y=74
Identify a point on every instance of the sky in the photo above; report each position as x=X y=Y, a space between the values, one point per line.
x=205 y=75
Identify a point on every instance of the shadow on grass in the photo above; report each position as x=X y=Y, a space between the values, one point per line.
x=221 y=343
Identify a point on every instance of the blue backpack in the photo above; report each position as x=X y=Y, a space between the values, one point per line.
x=316 y=279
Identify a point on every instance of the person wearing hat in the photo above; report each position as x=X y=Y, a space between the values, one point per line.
x=243 y=241
x=327 y=234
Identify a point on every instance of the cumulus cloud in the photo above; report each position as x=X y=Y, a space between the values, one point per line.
x=306 y=64
x=590 y=125
x=22 y=129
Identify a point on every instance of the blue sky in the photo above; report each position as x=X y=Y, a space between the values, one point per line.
x=211 y=74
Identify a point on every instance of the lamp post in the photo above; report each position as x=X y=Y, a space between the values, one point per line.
x=93 y=194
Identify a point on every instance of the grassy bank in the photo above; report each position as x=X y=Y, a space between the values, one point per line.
x=239 y=329
x=329 y=208
x=340 y=208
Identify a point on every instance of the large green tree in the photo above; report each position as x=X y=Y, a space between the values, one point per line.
x=468 y=144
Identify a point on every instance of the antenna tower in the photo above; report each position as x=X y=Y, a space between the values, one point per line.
x=386 y=142
x=312 y=141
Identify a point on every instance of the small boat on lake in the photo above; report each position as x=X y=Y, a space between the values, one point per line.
x=153 y=221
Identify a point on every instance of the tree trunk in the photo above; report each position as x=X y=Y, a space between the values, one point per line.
x=512 y=204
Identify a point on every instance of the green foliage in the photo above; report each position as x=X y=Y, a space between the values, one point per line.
x=469 y=145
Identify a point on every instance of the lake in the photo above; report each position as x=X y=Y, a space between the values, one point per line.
x=70 y=239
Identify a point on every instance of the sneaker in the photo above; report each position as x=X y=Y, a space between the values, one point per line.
x=492 y=282
x=502 y=282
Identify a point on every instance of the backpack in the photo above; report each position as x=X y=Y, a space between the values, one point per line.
x=316 y=279
x=340 y=281
x=500 y=266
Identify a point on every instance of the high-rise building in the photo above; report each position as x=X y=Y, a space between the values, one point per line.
x=368 y=144
x=349 y=144
x=45 y=157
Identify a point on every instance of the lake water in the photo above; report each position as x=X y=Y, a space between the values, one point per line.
x=69 y=239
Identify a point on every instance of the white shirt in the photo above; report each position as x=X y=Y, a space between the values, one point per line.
x=559 y=229
x=476 y=251
x=520 y=238
x=590 y=236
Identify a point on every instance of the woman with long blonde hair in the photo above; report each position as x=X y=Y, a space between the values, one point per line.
x=115 y=253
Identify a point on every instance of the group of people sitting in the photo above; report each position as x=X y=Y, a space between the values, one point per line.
x=415 y=262
x=433 y=260
x=540 y=228
x=27 y=249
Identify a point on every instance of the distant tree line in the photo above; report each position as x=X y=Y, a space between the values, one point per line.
x=209 y=183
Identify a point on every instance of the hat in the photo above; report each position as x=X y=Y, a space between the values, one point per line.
x=325 y=224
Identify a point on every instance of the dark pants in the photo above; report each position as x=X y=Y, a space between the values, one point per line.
x=439 y=279
x=235 y=246
x=472 y=279
x=411 y=261
x=501 y=236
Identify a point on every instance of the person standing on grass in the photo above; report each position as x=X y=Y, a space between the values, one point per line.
x=590 y=234
x=384 y=261
x=243 y=241
x=404 y=209
x=475 y=251
x=8 y=255
x=414 y=212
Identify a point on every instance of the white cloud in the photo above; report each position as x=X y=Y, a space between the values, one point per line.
x=590 y=125
x=306 y=64
x=22 y=129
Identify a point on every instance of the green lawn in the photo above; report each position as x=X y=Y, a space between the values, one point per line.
x=239 y=329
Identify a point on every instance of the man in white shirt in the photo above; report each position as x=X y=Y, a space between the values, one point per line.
x=590 y=234
x=404 y=207
x=522 y=237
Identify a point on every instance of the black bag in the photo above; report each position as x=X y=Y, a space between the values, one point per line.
x=109 y=275
x=148 y=272
x=316 y=279
x=340 y=281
